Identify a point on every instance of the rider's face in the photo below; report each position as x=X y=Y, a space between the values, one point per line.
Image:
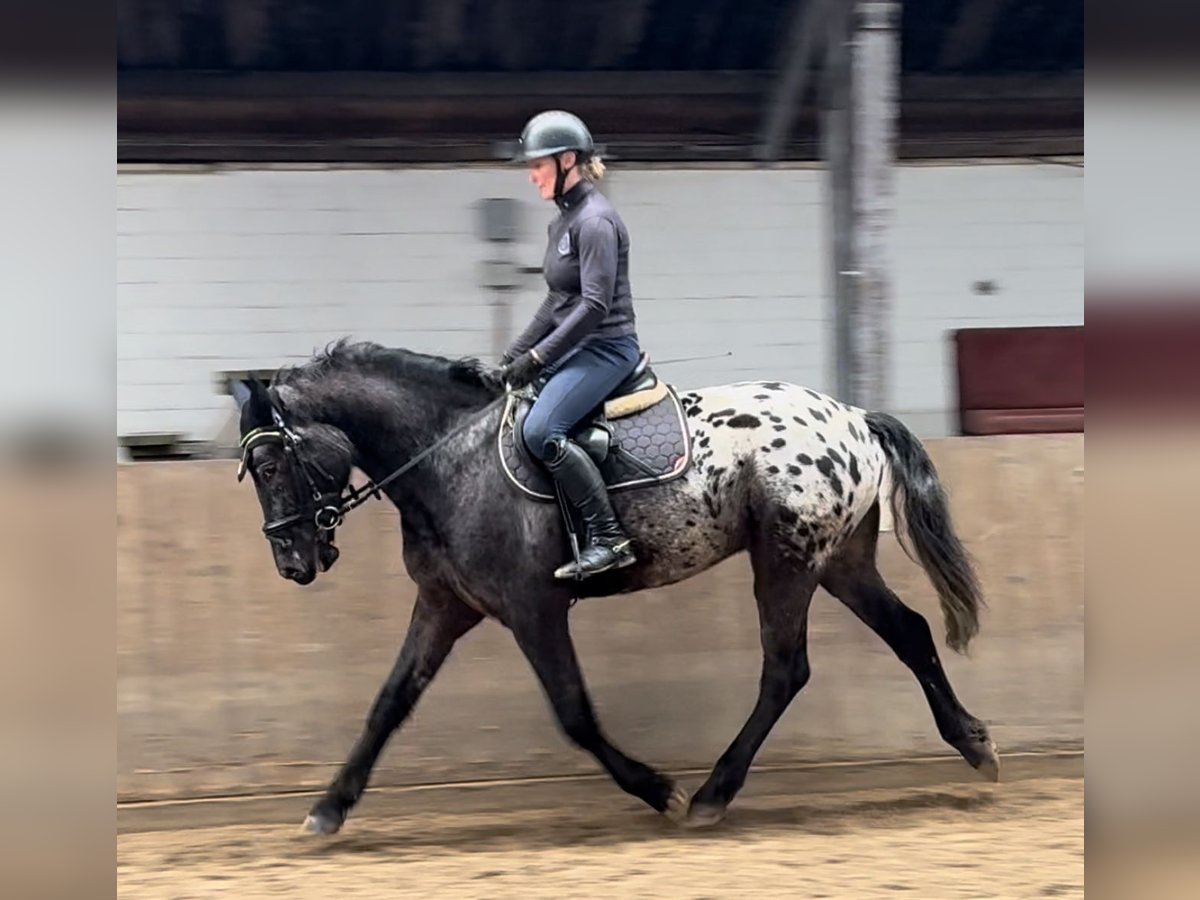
x=542 y=173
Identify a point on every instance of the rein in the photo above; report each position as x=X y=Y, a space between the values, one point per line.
x=329 y=508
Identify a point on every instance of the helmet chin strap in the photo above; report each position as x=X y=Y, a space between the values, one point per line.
x=561 y=177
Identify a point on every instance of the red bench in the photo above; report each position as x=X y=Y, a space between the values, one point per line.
x=1019 y=380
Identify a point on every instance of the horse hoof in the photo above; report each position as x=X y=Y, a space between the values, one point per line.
x=315 y=823
x=982 y=757
x=677 y=806
x=989 y=763
x=704 y=815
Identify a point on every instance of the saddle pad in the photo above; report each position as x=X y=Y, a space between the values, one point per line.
x=657 y=437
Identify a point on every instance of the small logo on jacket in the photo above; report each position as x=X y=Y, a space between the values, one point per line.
x=564 y=244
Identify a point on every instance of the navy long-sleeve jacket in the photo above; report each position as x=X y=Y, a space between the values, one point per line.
x=586 y=268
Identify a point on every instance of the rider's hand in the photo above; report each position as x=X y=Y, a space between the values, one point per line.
x=521 y=371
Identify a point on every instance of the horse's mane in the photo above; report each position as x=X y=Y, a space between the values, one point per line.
x=398 y=363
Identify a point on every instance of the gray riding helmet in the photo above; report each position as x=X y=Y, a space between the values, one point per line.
x=552 y=132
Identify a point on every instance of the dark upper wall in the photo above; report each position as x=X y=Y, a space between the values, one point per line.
x=1018 y=36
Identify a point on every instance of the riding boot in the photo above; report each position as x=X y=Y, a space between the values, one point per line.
x=606 y=545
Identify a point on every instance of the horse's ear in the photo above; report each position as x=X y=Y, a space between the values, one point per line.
x=252 y=399
x=240 y=391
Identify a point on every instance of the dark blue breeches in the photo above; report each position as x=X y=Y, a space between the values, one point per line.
x=578 y=383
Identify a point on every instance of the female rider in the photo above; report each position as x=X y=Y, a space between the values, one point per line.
x=582 y=342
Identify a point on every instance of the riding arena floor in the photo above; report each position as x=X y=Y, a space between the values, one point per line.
x=853 y=832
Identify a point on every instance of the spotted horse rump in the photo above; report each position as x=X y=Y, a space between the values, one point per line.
x=638 y=437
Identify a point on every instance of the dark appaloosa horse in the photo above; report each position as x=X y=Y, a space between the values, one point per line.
x=790 y=475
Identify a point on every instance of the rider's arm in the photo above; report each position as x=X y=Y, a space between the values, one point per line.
x=535 y=330
x=597 y=277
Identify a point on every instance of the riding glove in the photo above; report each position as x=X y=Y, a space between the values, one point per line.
x=521 y=371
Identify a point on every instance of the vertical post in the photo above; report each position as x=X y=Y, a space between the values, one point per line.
x=873 y=99
x=861 y=78
x=499 y=227
x=837 y=138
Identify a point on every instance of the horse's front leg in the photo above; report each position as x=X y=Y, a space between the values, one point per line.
x=438 y=620
x=544 y=638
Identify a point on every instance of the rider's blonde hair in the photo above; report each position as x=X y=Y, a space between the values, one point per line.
x=593 y=169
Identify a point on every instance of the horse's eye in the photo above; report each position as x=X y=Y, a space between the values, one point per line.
x=267 y=472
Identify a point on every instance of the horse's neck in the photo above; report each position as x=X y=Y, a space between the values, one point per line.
x=383 y=443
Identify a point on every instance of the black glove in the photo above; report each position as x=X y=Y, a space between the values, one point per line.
x=520 y=371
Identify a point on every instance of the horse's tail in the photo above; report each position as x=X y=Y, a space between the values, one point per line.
x=926 y=517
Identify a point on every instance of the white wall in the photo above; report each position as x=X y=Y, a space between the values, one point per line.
x=248 y=268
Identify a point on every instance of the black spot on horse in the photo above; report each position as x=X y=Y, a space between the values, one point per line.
x=772 y=470
x=850 y=500
x=774 y=418
x=835 y=456
x=799 y=421
x=825 y=466
x=799 y=489
x=853 y=431
x=821 y=438
x=778 y=442
x=793 y=470
x=693 y=411
x=817 y=414
x=717 y=473
x=779 y=427
x=804 y=459
x=812 y=393
x=762 y=396
x=744 y=420
x=842 y=444
x=788 y=516
x=717 y=423
x=855 y=475
x=772 y=385
x=704 y=441
x=690 y=523
x=724 y=413
x=837 y=484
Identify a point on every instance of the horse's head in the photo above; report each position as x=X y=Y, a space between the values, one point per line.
x=299 y=470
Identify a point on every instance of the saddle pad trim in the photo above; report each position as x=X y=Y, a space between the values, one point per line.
x=634 y=403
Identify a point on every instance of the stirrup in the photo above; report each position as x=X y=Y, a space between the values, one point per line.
x=622 y=557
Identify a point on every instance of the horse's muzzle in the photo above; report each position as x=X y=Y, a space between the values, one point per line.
x=327 y=555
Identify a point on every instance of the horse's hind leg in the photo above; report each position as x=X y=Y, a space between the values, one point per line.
x=783 y=589
x=438 y=621
x=853 y=578
x=545 y=639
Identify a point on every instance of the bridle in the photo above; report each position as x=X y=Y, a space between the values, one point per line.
x=327 y=509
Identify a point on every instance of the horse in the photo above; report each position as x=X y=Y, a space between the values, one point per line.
x=789 y=475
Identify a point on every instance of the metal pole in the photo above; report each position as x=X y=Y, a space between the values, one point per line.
x=859 y=132
x=836 y=132
x=873 y=99
x=787 y=92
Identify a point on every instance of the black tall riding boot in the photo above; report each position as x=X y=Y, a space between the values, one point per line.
x=606 y=546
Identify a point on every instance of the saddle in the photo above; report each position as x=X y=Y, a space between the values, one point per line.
x=638 y=436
